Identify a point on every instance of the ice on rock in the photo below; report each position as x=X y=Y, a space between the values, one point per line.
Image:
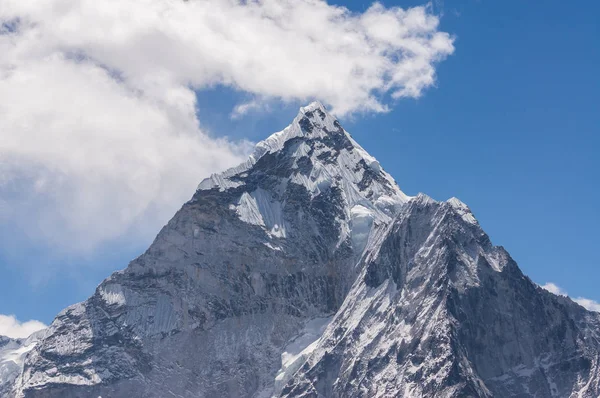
x=112 y=294
x=259 y=208
x=297 y=352
x=247 y=210
x=12 y=358
x=361 y=223
x=463 y=210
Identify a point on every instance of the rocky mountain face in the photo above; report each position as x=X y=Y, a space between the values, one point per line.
x=12 y=356
x=438 y=311
x=306 y=272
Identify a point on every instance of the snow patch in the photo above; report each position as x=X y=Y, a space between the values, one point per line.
x=112 y=294
x=298 y=351
x=424 y=198
x=272 y=246
x=259 y=208
x=247 y=210
x=462 y=210
x=13 y=353
x=12 y=357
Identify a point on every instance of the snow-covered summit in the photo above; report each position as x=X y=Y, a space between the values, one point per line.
x=316 y=153
x=462 y=209
x=273 y=143
x=313 y=122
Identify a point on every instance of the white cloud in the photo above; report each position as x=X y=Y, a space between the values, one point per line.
x=582 y=301
x=552 y=288
x=587 y=303
x=247 y=107
x=99 y=137
x=12 y=327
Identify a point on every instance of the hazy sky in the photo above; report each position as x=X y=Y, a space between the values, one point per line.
x=111 y=113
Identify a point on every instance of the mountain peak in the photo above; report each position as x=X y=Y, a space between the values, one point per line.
x=463 y=210
x=332 y=153
x=311 y=120
x=314 y=156
x=313 y=106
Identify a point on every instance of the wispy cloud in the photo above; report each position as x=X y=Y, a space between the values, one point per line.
x=244 y=108
x=587 y=303
x=584 y=302
x=99 y=130
x=552 y=288
x=10 y=326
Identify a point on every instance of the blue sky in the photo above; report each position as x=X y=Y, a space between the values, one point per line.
x=511 y=127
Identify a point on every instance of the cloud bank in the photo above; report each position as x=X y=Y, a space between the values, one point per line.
x=99 y=136
x=582 y=301
x=12 y=327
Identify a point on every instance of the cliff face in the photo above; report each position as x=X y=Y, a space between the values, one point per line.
x=307 y=272
x=438 y=311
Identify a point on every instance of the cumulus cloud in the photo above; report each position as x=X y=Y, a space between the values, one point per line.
x=99 y=134
x=582 y=301
x=12 y=327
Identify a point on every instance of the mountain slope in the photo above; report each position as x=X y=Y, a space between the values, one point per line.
x=439 y=311
x=12 y=357
x=236 y=273
x=307 y=272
